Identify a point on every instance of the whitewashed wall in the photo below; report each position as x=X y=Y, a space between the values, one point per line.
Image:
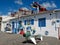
x=52 y=29
x=3 y=26
x=5 y=20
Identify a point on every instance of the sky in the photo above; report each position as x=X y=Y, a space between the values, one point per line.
x=8 y=6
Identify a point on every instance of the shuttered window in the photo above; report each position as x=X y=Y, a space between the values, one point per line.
x=42 y=22
x=29 y=22
x=25 y=22
x=32 y=21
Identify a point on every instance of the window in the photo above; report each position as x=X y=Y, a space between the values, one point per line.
x=32 y=21
x=29 y=22
x=19 y=24
x=25 y=22
x=42 y=22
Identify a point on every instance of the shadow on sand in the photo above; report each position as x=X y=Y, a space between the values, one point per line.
x=28 y=41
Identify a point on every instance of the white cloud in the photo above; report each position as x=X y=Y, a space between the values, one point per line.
x=18 y=2
x=15 y=10
x=54 y=5
x=9 y=13
x=24 y=8
x=49 y=5
x=46 y=5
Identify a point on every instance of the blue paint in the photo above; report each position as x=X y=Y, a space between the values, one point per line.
x=28 y=28
x=14 y=27
x=46 y=32
x=29 y=22
x=57 y=21
x=32 y=21
x=19 y=25
x=42 y=22
x=33 y=31
x=25 y=22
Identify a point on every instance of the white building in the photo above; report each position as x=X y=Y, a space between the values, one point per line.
x=46 y=23
x=4 y=22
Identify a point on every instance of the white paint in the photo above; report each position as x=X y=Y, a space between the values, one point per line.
x=52 y=29
x=5 y=20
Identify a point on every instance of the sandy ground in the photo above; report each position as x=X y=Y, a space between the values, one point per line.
x=16 y=39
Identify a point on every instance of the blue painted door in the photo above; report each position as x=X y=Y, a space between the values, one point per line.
x=13 y=27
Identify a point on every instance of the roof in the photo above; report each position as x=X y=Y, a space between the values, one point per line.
x=7 y=19
x=44 y=12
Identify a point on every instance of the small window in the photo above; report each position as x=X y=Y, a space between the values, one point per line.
x=32 y=21
x=19 y=23
x=29 y=22
x=42 y=22
x=25 y=22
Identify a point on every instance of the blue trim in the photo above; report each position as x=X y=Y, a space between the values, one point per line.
x=29 y=21
x=12 y=25
x=32 y=21
x=19 y=23
x=28 y=28
x=25 y=22
x=57 y=21
x=42 y=22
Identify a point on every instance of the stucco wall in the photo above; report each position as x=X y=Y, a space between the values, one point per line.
x=5 y=20
x=52 y=29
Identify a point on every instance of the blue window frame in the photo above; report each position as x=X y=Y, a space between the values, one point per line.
x=42 y=22
x=25 y=22
x=19 y=24
x=29 y=22
x=32 y=21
